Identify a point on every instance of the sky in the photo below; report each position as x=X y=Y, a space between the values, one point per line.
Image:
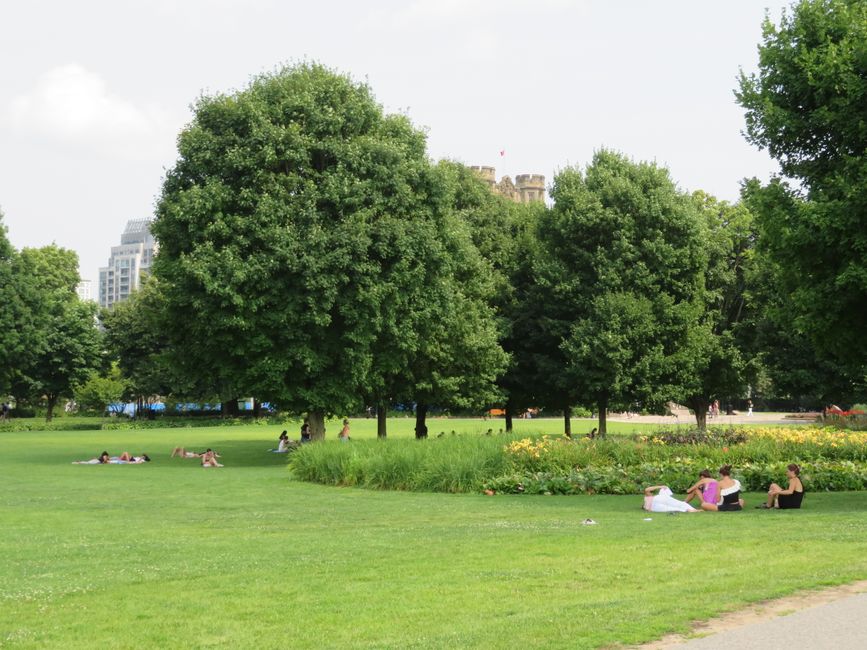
x=94 y=92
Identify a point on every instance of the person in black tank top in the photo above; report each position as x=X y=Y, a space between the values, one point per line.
x=730 y=493
x=791 y=497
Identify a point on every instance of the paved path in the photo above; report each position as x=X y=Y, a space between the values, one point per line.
x=839 y=625
x=742 y=418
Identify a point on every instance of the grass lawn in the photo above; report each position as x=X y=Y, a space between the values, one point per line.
x=171 y=555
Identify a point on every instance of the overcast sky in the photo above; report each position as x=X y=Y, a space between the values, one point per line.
x=94 y=92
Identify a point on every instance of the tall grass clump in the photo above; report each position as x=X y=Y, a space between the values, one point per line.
x=449 y=464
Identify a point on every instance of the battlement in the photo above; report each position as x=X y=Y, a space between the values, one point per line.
x=527 y=188
x=535 y=181
x=487 y=174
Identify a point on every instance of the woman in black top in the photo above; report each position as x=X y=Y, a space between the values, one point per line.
x=730 y=493
x=791 y=497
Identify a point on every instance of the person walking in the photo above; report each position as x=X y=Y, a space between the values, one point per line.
x=749 y=408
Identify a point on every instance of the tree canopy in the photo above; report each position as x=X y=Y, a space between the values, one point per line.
x=623 y=272
x=807 y=105
x=300 y=228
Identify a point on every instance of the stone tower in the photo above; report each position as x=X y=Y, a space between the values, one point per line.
x=526 y=188
x=487 y=174
x=531 y=187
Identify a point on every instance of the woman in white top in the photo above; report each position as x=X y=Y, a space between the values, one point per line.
x=664 y=501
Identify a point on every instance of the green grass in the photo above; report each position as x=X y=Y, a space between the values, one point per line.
x=171 y=555
x=361 y=428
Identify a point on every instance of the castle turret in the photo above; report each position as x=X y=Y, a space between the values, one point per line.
x=531 y=187
x=487 y=174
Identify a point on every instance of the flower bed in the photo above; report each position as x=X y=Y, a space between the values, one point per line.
x=831 y=460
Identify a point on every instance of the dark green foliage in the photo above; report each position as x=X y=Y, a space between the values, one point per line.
x=135 y=335
x=621 y=272
x=808 y=106
x=309 y=251
x=712 y=362
x=10 y=309
x=59 y=341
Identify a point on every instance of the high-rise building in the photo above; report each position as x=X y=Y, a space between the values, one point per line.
x=128 y=263
x=84 y=290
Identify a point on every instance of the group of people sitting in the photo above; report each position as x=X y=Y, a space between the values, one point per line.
x=125 y=458
x=284 y=445
x=723 y=494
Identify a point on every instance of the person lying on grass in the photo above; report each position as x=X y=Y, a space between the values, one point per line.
x=209 y=459
x=706 y=489
x=791 y=497
x=102 y=459
x=125 y=458
x=664 y=501
x=182 y=452
x=730 y=493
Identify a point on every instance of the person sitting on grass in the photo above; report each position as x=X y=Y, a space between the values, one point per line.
x=282 y=444
x=102 y=459
x=791 y=497
x=706 y=489
x=664 y=501
x=730 y=493
x=209 y=459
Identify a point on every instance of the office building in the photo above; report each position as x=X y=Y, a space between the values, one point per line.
x=128 y=264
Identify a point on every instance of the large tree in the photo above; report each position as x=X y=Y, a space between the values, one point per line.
x=298 y=230
x=10 y=313
x=799 y=372
x=807 y=105
x=62 y=342
x=713 y=362
x=623 y=274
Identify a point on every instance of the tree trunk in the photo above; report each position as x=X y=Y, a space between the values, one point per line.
x=257 y=408
x=508 y=418
x=420 y=416
x=699 y=407
x=603 y=416
x=316 y=419
x=52 y=402
x=567 y=421
x=381 y=420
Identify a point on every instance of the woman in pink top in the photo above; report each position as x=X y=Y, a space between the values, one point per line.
x=706 y=489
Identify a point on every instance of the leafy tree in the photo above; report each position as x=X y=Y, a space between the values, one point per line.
x=62 y=341
x=807 y=105
x=713 y=363
x=300 y=232
x=524 y=383
x=100 y=390
x=798 y=371
x=623 y=272
x=10 y=313
x=135 y=338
